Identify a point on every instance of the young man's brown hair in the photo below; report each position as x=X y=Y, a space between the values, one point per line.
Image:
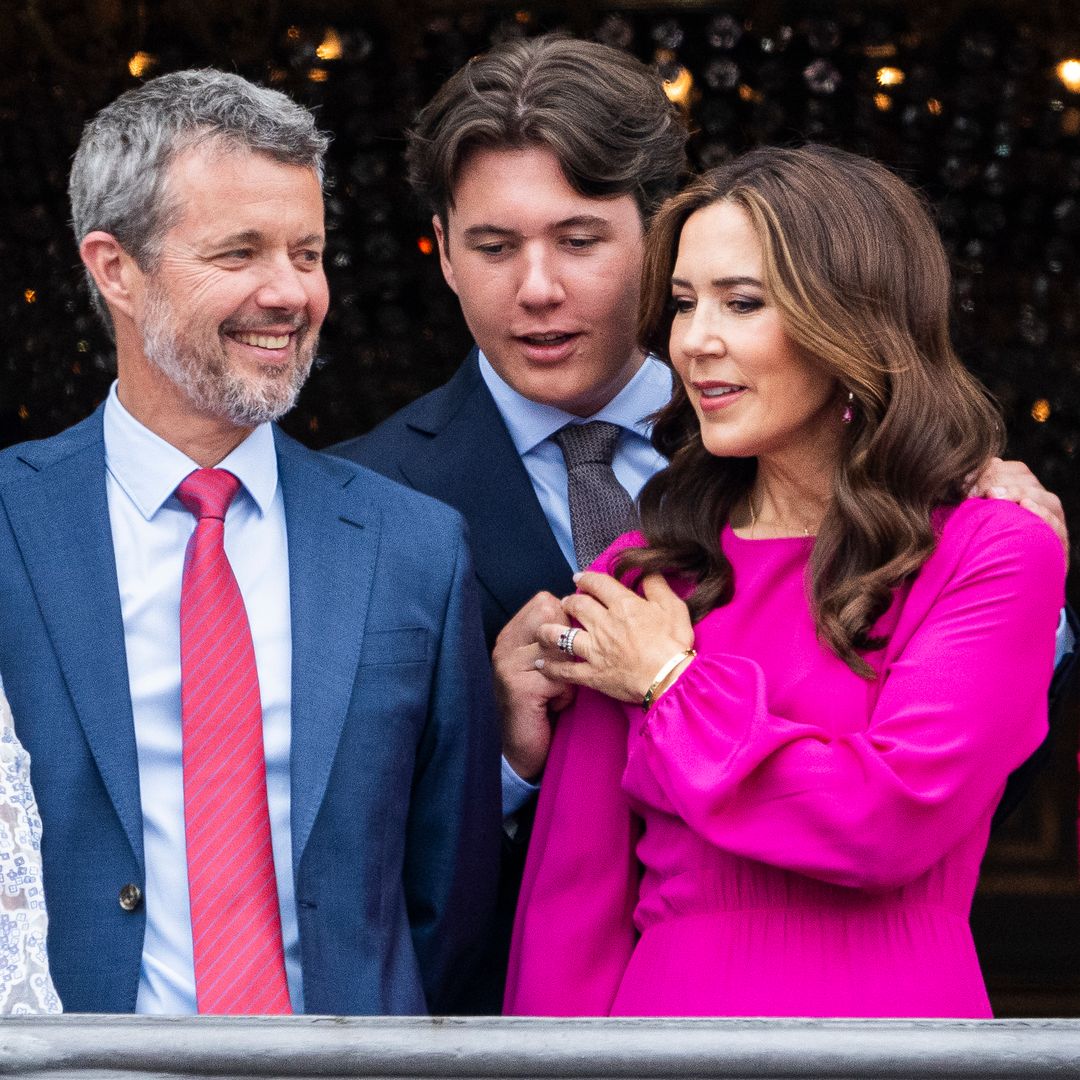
x=600 y=111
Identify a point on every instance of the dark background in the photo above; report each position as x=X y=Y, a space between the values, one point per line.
x=979 y=118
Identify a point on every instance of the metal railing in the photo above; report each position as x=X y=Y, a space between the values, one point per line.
x=95 y=1047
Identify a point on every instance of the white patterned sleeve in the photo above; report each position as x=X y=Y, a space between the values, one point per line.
x=25 y=984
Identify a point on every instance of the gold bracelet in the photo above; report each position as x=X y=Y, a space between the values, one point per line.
x=663 y=673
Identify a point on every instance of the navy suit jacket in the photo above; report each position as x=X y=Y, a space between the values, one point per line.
x=394 y=767
x=452 y=444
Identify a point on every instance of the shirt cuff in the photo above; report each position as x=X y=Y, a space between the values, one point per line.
x=1066 y=642
x=515 y=791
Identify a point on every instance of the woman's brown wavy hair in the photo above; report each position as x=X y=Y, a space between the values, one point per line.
x=857 y=270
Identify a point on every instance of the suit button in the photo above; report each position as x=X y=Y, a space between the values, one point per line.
x=130 y=897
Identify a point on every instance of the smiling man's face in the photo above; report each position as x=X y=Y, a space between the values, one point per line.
x=232 y=309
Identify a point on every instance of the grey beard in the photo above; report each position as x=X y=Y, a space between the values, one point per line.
x=212 y=386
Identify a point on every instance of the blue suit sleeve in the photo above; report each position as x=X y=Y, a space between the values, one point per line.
x=453 y=844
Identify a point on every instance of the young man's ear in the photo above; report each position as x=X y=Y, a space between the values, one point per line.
x=118 y=278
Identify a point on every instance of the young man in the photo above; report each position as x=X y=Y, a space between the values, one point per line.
x=541 y=161
x=251 y=678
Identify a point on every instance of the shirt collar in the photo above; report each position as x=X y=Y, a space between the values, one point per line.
x=149 y=469
x=530 y=422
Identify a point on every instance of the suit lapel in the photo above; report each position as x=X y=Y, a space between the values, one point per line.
x=333 y=538
x=60 y=518
x=471 y=463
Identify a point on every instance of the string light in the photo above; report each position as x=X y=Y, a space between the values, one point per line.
x=330 y=48
x=30 y=296
x=890 y=76
x=141 y=63
x=678 y=88
x=883 y=102
x=1040 y=411
x=318 y=75
x=933 y=106
x=425 y=245
x=748 y=93
x=1068 y=71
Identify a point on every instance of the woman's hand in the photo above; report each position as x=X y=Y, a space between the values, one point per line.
x=1014 y=481
x=625 y=638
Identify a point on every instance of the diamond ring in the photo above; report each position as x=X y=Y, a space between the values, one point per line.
x=566 y=640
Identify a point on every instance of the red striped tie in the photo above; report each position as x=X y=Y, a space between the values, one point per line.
x=235 y=919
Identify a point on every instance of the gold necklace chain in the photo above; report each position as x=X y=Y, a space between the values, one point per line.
x=778 y=525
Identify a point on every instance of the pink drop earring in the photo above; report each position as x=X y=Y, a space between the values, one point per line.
x=849 y=413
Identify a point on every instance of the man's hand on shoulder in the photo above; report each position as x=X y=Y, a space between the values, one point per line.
x=1014 y=481
x=526 y=696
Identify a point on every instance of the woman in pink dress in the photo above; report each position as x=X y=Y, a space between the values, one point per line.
x=773 y=791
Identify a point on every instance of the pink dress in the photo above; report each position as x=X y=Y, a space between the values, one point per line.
x=777 y=836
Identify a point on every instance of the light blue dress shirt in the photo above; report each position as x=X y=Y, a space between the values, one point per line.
x=531 y=426
x=150 y=531
x=1066 y=640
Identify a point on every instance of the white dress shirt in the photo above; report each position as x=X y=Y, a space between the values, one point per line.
x=150 y=531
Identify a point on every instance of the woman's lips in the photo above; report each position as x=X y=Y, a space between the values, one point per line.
x=718 y=396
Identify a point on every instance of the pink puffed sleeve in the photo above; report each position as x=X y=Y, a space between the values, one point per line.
x=574 y=932
x=962 y=702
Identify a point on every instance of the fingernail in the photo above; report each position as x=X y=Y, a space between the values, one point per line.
x=539 y=663
x=998 y=492
x=576 y=577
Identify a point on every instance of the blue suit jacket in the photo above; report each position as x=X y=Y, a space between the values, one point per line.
x=394 y=769
x=452 y=444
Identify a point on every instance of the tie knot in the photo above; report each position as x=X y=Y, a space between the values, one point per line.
x=207 y=493
x=585 y=444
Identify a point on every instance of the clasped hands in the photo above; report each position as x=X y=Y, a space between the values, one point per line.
x=624 y=640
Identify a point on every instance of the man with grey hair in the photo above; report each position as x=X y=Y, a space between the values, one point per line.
x=251 y=678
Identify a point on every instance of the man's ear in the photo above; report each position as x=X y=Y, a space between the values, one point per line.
x=444 y=252
x=114 y=271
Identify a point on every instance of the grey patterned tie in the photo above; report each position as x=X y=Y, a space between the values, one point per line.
x=600 y=508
